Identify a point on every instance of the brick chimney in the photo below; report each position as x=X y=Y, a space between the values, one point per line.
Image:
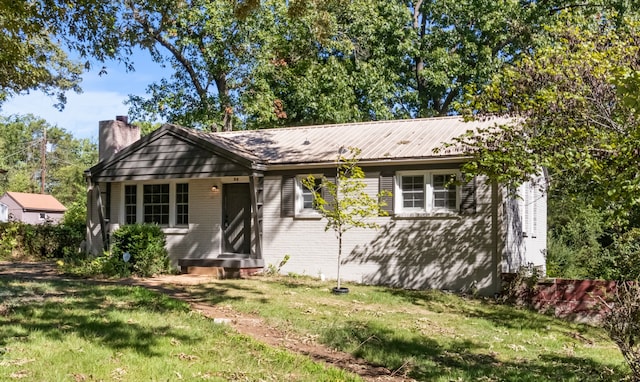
x=115 y=136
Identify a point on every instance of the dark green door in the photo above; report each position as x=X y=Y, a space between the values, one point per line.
x=236 y=218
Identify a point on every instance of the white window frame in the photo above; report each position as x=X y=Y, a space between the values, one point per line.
x=429 y=208
x=124 y=203
x=300 y=211
x=140 y=202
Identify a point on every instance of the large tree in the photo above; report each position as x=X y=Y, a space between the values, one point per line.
x=210 y=51
x=349 y=68
x=274 y=65
x=462 y=42
x=30 y=58
x=573 y=113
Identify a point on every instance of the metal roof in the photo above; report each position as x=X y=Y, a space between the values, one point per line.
x=378 y=140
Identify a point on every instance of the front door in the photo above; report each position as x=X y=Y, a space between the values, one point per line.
x=236 y=218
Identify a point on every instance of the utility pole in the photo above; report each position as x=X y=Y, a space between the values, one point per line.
x=43 y=166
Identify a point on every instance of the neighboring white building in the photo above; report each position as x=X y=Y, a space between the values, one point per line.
x=234 y=200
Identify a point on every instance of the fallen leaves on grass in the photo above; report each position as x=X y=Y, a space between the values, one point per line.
x=16 y=362
x=19 y=374
x=188 y=357
x=118 y=373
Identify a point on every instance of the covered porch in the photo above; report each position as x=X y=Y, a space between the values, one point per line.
x=209 y=198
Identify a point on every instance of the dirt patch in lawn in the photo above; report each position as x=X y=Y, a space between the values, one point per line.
x=245 y=324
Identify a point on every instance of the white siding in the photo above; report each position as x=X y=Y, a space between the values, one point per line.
x=454 y=252
x=202 y=238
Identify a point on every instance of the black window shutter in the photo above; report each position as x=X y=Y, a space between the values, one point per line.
x=386 y=184
x=288 y=200
x=325 y=194
x=468 y=202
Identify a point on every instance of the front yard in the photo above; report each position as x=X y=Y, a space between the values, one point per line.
x=76 y=331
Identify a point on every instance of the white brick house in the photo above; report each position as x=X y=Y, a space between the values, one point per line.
x=234 y=200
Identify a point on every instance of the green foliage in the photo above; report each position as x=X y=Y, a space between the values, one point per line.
x=622 y=324
x=76 y=215
x=274 y=63
x=145 y=244
x=460 y=44
x=274 y=270
x=570 y=117
x=571 y=113
x=622 y=258
x=576 y=237
x=30 y=57
x=346 y=203
x=40 y=241
x=21 y=138
x=9 y=240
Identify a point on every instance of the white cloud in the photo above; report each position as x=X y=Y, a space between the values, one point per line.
x=81 y=114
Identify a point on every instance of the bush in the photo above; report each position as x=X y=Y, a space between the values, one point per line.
x=9 y=242
x=138 y=249
x=576 y=233
x=37 y=242
x=622 y=258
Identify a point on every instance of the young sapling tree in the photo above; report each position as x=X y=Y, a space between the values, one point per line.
x=345 y=203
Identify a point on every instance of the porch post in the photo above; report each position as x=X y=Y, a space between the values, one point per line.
x=256 y=186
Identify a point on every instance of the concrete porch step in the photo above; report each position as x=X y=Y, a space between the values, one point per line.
x=228 y=262
x=224 y=266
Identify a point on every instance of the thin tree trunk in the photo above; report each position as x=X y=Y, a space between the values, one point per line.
x=339 y=256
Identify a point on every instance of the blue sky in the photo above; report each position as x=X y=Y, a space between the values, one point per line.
x=102 y=97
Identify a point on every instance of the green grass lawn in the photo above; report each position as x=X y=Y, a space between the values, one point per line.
x=428 y=335
x=77 y=331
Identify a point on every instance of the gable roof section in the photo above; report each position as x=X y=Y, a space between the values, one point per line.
x=379 y=140
x=36 y=202
x=179 y=151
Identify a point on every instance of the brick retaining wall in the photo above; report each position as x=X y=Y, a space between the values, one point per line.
x=581 y=300
x=576 y=299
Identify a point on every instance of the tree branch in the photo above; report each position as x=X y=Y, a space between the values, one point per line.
x=156 y=33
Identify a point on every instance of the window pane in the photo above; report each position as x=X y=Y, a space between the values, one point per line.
x=444 y=192
x=156 y=203
x=413 y=192
x=307 y=195
x=182 y=203
x=130 y=200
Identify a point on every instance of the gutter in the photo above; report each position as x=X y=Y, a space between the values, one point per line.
x=370 y=162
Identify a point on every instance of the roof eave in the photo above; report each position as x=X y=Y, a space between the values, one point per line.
x=451 y=159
